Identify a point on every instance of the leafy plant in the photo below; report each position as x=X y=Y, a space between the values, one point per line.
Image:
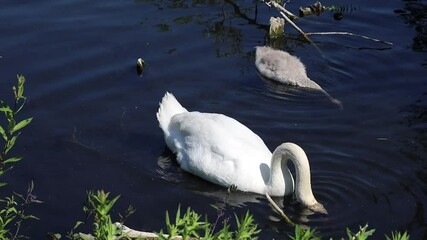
x=304 y=234
x=13 y=209
x=190 y=226
x=187 y=225
x=246 y=227
x=99 y=206
x=7 y=214
x=398 y=236
x=11 y=132
x=13 y=213
x=362 y=234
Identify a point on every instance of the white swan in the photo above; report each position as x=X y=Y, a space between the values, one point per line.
x=223 y=151
x=282 y=67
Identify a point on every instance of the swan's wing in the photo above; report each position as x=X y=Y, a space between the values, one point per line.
x=217 y=148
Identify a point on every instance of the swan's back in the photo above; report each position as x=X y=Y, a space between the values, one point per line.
x=219 y=149
x=215 y=147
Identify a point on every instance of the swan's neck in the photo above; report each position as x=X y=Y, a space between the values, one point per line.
x=279 y=172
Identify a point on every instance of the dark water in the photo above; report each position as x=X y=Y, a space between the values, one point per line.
x=94 y=119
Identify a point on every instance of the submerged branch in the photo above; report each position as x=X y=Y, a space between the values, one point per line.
x=278 y=210
x=351 y=34
x=288 y=15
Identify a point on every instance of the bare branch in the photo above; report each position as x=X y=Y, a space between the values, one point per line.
x=351 y=34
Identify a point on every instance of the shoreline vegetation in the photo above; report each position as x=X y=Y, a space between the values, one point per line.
x=190 y=226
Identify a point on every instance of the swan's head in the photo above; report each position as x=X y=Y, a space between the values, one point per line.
x=317 y=207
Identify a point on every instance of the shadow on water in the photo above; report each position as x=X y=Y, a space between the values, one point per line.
x=413 y=146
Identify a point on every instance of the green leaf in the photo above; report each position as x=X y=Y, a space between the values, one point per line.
x=11 y=121
x=12 y=160
x=22 y=124
x=54 y=236
x=10 y=144
x=78 y=223
x=2 y=184
x=3 y=133
x=84 y=236
x=21 y=81
x=4 y=107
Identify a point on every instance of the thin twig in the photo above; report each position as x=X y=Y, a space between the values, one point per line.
x=281 y=8
x=351 y=34
x=282 y=12
x=278 y=210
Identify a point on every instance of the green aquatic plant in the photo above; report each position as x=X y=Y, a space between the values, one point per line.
x=304 y=234
x=187 y=225
x=190 y=226
x=362 y=234
x=398 y=236
x=98 y=207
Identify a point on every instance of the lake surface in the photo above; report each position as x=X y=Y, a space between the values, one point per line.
x=94 y=121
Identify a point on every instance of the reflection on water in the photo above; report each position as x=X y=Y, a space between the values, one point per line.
x=415 y=14
x=169 y=170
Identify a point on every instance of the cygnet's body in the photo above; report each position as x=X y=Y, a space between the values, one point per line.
x=282 y=67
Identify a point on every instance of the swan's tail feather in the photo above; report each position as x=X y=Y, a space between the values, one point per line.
x=169 y=107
